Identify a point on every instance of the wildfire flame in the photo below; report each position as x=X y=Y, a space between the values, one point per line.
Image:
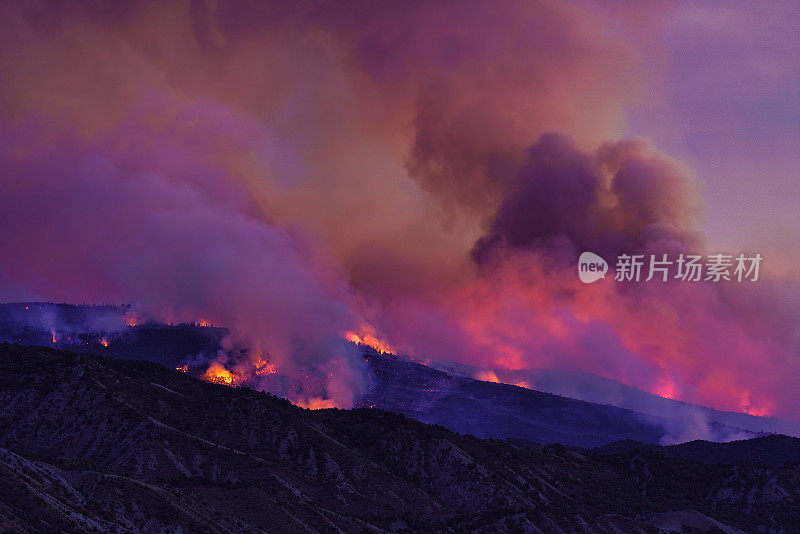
x=368 y=337
x=487 y=376
x=263 y=367
x=104 y=342
x=183 y=368
x=204 y=323
x=218 y=374
x=491 y=376
x=54 y=336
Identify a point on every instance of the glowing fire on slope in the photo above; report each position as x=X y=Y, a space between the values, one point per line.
x=368 y=337
x=263 y=367
x=314 y=403
x=218 y=374
x=104 y=342
x=183 y=368
x=491 y=376
x=666 y=388
x=487 y=376
x=242 y=373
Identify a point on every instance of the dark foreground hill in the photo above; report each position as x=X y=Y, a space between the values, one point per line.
x=775 y=450
x=94 y=444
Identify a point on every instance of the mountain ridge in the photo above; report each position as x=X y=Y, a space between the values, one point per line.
x=133 y=446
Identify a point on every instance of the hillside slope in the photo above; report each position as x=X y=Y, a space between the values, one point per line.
x=129 y=446
x=602 y=411
x=494 y=410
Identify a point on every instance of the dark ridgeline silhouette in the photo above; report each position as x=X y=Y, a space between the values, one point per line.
x=112 y=445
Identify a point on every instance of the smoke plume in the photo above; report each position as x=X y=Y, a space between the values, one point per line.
x=423 y=171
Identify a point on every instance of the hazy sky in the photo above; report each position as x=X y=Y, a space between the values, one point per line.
x=726 y=100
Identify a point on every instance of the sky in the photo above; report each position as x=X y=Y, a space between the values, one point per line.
x=426 y=173
x=728 y=106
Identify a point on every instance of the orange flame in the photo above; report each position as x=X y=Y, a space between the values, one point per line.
x=487 y=376
x=104 y=342
x=368 y=337
x=217 y=374
x=54 y=336
x=491 y=376
x=183 y=368
x=204 y=323
x=263 y=367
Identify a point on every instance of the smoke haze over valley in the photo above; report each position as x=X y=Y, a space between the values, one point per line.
x=424 y=175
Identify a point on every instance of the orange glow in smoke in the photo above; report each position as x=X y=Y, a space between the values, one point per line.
x=368 y=337
x=315 y=403
x=491 y=376
x=666 y=388
x=487 y=376
x=104 y=342
x=204 y=323
x=131 y=319
x=183 y=368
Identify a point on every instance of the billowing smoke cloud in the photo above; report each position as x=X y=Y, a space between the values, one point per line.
x=146 y=215
x=294 y=170
x=627 y=197
x=525 y=306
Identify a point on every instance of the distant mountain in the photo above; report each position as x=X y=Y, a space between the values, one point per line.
x=105 y=330
x=692 y=421
x=108 y=445
x=495 y=410
x=451 y=399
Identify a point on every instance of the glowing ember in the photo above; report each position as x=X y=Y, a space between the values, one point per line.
x=204 y=323
x=368 y=337
x=104 y=342
x=217 y=374
x=183 y=368
x=54 y=336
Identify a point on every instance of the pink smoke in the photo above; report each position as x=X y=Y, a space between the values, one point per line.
x=293 y=171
